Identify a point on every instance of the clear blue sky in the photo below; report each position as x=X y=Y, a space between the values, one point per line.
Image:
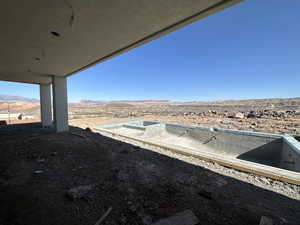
x=251 y=50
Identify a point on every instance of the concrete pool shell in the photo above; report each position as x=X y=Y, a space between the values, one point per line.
x=275 y=156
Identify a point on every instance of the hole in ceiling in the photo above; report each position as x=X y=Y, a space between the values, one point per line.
x=55 y=33
x=37 y=58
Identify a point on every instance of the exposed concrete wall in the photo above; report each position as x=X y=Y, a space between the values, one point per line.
x=60 y=103
x=290 y=157
x=261 y=149
x=267 y=149
x=45 y=103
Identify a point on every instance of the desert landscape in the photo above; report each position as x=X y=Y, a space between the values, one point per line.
x=280 y=116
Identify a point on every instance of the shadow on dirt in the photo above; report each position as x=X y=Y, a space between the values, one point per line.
x=38 y=167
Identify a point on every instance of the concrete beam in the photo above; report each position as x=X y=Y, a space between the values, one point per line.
x=26 y=78
x=45 y=103
x=60 y=103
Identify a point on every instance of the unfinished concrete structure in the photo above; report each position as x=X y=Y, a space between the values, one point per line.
x=45 y=42
x=275 y=156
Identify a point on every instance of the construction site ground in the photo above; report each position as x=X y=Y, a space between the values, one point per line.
x=75 y=177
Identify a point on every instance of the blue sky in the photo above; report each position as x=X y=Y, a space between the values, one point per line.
x=250 y=50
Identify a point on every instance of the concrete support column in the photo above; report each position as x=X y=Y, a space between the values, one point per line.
x=45 y=103
x=60 y=103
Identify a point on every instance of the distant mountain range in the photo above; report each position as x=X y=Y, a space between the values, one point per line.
x=293 y=101
x=14 y=98
x=86 y=102
x=103 y=102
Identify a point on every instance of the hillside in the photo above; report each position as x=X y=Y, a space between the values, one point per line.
x=14 y=98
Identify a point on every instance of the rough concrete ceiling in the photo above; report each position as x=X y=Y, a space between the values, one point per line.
x=41 y=38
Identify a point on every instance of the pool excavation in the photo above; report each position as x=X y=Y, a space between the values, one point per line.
x=270 y=155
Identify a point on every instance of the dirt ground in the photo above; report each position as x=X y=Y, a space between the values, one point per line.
x=38 y=168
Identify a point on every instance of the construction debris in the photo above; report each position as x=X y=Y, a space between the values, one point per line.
x=265 y=221
x=104 y=216
x=186 y=217
x=79 y=192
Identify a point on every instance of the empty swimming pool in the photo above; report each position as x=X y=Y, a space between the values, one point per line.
x=240 y=149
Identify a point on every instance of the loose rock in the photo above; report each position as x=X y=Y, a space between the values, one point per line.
x=79 y=192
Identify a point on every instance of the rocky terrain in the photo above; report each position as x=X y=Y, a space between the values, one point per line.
x=268 y=115
x=260 y=115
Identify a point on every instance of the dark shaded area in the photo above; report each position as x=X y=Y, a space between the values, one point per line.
x=55 y=33
x=38 y=167
x=3 y=123
x=268 y=154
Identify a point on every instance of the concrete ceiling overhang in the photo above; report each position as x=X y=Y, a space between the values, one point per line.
x=41 y=38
